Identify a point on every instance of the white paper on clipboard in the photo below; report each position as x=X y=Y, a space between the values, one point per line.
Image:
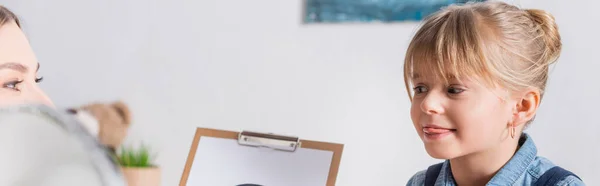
x=223 y=162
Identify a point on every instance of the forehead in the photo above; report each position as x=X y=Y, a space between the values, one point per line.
x=427 y=70
x=14 y=46
x=428 y=76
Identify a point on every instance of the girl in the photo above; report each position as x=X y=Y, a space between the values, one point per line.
x=477 y=74
x=41 y=146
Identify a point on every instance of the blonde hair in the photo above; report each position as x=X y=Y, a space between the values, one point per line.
x=500 y=43
x=7 y=16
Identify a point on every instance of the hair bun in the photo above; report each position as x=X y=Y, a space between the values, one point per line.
x=549 y=32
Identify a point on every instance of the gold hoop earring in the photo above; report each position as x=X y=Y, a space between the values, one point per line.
x=512 y=132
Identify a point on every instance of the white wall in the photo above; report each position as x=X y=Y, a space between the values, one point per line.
x=236 y=64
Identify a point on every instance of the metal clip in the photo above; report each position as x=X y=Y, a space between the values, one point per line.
x=277 y=142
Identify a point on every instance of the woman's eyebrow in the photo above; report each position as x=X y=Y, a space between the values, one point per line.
x=14 y=66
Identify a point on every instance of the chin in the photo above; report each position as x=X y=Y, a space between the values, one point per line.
x=440 y=152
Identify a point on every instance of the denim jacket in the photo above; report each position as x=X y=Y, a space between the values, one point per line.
x=523 y=169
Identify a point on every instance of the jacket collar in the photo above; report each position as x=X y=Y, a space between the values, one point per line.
x=518 y=164
x=510 y=172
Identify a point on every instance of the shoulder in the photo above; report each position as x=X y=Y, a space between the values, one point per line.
x=541 y=165
x=26 y=120
x=417 y=179
x=36 y=145
x=570 y=181
x=32 y=114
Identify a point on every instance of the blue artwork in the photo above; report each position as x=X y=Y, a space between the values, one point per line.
x=337 y=11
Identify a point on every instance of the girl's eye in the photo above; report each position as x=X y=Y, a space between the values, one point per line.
x=420 y=89
x=12 y=85
x=453 y=90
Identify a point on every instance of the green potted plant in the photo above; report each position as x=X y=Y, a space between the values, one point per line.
x=138 y=167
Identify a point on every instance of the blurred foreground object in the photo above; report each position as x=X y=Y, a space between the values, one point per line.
x=109 y=122
x=44 y=147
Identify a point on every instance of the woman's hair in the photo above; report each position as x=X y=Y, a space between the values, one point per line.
x=6 y=16
x=501 y=44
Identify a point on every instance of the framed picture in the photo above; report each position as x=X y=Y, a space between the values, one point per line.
x=344 y=11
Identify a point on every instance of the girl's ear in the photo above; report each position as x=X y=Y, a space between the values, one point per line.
x=526 y=107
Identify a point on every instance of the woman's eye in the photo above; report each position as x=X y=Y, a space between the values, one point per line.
x=12 y=85
x=453 y=90
x=420 y=89
x=38 y=80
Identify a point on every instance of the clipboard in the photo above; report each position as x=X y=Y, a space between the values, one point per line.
x=289 y=144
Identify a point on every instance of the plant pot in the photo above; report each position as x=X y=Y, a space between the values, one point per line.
x=142 y=176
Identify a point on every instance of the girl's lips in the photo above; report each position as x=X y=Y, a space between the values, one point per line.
x=434 y=134
x=433 y=130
